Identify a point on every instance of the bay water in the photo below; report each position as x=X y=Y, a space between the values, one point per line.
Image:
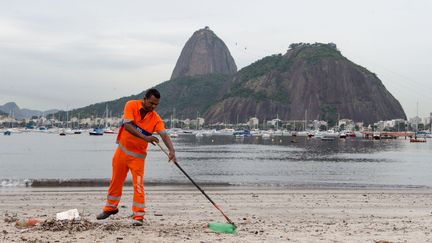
x=224 y=160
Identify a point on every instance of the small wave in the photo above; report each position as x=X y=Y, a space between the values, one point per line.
x=71 y=182
x=330 y=185
x=15 y=183
x=41 y=183
x=92 y=183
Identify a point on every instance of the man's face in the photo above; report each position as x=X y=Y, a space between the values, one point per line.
x=151 y=103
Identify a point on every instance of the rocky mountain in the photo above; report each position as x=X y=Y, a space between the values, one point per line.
x=204 y=53
x=191 y=96
x=11 y=108
x=310 y=77
x=204 y=67
x=187 y=97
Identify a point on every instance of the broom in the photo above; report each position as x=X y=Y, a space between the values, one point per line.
x=229 y=227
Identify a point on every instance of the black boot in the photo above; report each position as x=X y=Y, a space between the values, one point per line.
x=105 y=215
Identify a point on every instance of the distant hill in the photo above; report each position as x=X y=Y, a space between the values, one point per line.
x=203 y=68
x=187 y=95
x=190 y=96
x=310 y=77
x=11 y=108
x=204 y=53
x=115 y=108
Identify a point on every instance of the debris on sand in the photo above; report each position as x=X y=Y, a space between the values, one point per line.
x=10 y=218
x=69 y=225
x=111 y=227
x=71 y=214
x=26 y=222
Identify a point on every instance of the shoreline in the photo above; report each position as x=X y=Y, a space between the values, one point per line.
x=180 y=214
x=214 y=187
x=96 y=183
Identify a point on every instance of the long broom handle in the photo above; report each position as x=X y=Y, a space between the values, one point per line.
x=199 y=188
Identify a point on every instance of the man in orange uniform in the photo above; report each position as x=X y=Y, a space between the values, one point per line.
x=140 y=121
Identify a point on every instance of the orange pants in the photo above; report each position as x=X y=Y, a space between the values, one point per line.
x=121 y=164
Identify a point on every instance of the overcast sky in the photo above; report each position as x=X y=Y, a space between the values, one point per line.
x=69 y=54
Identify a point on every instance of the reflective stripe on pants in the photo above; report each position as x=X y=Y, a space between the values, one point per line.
x=121 y=164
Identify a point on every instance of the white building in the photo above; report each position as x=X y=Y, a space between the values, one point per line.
x=317 y=124
x=415 y=120
x=253 y=122
x=197 y=123
x=274 y=122
x=348 y=124
x=380 y=125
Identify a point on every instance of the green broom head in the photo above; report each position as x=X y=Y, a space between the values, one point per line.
x=222 y=227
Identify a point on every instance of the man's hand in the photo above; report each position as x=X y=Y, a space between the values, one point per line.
x=152 y=139
x=172 y=157
x=168 y=144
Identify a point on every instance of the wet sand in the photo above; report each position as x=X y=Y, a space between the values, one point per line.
x=181 y=214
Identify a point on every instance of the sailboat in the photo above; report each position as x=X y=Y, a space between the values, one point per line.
x=77 y=130
x=172 y=132
x=107 y=129
x=96 y=132
x=417 y=139
x=8 y=131
x=66 y=130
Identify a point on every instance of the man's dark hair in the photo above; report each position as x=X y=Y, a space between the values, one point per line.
x=153 y=92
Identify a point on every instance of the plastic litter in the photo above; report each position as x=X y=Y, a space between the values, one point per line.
x=222 y=227
x=26 y=222
x=71 y=214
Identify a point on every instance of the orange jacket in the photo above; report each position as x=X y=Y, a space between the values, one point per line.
x=151 y=123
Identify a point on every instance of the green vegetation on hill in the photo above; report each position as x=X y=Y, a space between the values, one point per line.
x=275 y=62
x=189 y=95
x=329 y=113
x=115 y=108
x=254 y=72
x=316 y=53
x=276 y=83
x=278 y=63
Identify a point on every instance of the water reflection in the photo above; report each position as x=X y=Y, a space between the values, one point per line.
x=255 y=161
x=280 y=161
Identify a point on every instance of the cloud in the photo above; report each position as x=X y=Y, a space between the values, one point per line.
x=106 y=43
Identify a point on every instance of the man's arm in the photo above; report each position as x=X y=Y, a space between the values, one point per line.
x=130 y=128
x=167 y=141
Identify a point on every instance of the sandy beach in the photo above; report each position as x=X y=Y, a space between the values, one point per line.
x=181 y=214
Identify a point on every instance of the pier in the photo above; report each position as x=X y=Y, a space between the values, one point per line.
x=387 y=135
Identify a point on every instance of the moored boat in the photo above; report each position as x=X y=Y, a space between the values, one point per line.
x=108 y=130
x=62 y=132
x=96 y=132
x=242 y=133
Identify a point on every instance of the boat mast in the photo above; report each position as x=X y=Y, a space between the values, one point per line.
x=173 y=118
x=106 y=116
x=417 y=117
x=277 y=121
x=305 y=123
x=197 y=122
